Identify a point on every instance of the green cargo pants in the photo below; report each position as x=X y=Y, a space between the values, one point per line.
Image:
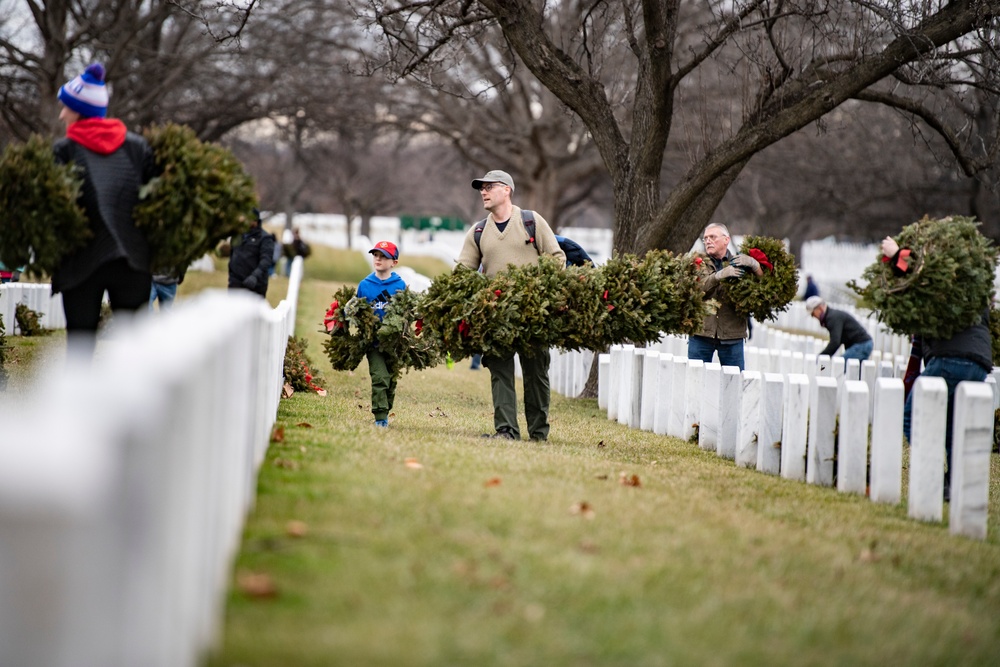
x=383 y=384
x=535 y=373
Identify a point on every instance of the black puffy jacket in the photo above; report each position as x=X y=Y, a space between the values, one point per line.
x=250 y=262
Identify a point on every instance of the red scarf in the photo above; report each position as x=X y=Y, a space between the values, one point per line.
x=101 y=135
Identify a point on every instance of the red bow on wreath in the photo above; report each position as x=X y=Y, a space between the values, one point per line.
x=330 y=321
x=761 y=258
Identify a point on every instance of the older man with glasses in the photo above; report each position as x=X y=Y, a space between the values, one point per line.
x=503 y=239
x=723 y=331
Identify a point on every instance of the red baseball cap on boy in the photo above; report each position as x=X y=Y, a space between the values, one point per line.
x=387 y=248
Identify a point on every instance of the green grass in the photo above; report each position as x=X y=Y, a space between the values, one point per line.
x=703 y=563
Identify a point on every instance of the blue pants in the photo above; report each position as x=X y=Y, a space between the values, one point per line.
x=730 y=351
x=953 y=370
x=165 y=293
x=859 y=351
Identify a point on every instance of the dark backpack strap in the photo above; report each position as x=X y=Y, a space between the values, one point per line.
x=478 y=232
x=528 y=218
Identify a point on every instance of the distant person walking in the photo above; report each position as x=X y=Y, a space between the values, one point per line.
x=844 y=330
x=250 y=262
x=114 y=164
x=812 y=289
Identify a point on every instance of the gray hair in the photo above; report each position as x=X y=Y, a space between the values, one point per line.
x=717 y=225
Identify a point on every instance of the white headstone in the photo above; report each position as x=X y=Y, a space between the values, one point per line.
x=708 y=422
x=665 y=385
x=824 y=366
x=692 y=408
x=635 y=405
x=887 y=441
x=928 y=422
x=729 y=412
x=614 y=381
x=852 y=441
x=650 y=386
x=822 y=431
x=795 y=428
x=625 y=386
x=603 y=381
x=769 y=440
x=678 y=397
x=749 y=426
x=970 y=460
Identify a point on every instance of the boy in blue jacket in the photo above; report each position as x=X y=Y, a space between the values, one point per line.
x=378 y=288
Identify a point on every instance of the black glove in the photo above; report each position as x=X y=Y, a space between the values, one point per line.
x=729 y=272
x=746 y=262
x=250 y=282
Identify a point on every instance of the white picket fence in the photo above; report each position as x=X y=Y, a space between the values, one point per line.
x=784 y=422
x=126 y=481
x=38 y=297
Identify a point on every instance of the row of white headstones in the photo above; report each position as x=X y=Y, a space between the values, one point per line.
x=787 y=425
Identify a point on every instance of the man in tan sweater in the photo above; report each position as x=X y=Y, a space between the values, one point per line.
x=505 y=240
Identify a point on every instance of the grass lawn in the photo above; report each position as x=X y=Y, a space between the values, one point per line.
x=427 y=545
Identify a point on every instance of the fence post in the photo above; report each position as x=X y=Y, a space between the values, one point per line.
x=928 y=419
x=970 y=460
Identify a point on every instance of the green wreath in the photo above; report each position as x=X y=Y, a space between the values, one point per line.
x=763 y=297
x=950 y=282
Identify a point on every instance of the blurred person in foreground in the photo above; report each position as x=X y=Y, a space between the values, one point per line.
x=505 y=240
x=968 y=355
x=251 y=261
x=114 y=164
x=723 y=331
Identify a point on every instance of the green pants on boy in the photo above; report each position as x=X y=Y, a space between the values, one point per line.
x=383 y=384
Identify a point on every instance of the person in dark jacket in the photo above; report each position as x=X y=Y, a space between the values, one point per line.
x=251 y=261
x=843 y=329
x=575 y=254
x=968 y=355
x=114 y=164
x=812 y=289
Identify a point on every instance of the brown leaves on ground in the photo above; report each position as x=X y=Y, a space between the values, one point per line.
x=584 y=509
x=304 y=425
x=295 y=528
x=413 y=463
x=628 y=480
x=438 y=412
x=492 y=481
x=287 y=390
x=278 y=434
x=287 y=464
x=257 y=585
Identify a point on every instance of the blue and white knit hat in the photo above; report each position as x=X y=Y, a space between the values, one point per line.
x=86 y=94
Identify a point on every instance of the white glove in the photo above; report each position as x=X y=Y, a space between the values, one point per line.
x=746 y=262
x=889 y=247
x=729 y=272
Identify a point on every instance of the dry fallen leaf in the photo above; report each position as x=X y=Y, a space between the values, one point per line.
x=584 y=509
x=287 y=391
x=629 y=480
x=296 y=528
x=321 y=392
x=602 y=477
x=278 y=434
x=304 y=425
x=412 y=463
x=492 y=481
x=600 y=444
x=256 y=585
x=285 y=463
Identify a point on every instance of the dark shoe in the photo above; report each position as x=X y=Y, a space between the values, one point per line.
x=501 y=434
